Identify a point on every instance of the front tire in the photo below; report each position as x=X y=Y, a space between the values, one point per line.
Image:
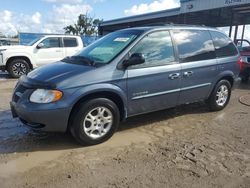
x=220 y=96
x=95 y=121
x=18 y=67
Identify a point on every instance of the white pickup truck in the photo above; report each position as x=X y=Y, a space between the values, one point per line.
x=20 y=59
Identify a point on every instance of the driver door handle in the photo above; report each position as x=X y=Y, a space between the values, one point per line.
x=187 y=74
x=174 y=76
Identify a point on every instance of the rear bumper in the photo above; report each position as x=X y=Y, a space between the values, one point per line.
x=49 y=120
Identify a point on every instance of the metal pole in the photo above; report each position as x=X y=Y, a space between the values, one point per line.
x=235 y=33
x=243 y=33
x=231 y=23
x=230 y=31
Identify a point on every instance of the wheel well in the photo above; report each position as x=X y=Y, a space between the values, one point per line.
x=109 y=95
x=228 y=78
x=20 y=57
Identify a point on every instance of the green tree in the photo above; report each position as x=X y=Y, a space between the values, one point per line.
x=86 y=25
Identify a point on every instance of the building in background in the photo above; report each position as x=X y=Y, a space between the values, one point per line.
x=8 y=41
x=215 y=13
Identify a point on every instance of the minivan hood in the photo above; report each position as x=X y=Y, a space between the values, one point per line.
x=58 y=72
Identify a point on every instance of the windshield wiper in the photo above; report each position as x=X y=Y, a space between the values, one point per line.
x=81 y=59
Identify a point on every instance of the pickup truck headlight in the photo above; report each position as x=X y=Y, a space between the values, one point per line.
x=1 y=50
x=45 y=96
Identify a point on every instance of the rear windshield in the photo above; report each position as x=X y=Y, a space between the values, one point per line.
x=224 y=46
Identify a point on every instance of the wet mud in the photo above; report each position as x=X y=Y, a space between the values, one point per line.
x=187 y=146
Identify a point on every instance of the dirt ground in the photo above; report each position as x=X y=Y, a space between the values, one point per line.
x=187 y=146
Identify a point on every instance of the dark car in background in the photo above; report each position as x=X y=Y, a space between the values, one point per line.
x=4 y=42
x=244 y=48
x=127 y=73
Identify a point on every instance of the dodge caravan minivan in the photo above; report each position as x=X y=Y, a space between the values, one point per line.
x=126 y=73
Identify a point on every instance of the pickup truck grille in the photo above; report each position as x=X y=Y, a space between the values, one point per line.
x=18 y=92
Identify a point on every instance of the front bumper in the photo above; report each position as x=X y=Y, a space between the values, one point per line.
x=2 y=66
x=51 y=117
x=46 y=120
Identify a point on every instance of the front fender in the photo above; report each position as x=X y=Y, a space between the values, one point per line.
x=96 y=88
x=19 y=54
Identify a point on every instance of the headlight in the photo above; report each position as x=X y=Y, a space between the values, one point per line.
x=45 y=96
x=1 y=50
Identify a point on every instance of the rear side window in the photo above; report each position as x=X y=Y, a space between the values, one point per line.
x=194 y=45
x=224 y=47
x=70 y=42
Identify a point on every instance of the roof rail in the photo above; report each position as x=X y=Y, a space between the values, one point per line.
x=159 y=24
x=171 y=24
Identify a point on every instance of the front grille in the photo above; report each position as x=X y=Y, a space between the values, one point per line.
x=18 y=92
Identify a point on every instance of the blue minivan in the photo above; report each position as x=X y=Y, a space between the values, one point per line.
x=126 y=73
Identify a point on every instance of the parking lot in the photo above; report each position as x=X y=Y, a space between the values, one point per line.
x=187 y=146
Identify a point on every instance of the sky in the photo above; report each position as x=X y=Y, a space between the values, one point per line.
x=51 y=16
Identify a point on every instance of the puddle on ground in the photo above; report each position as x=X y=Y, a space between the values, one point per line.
x=31 y=159
x=27 y=162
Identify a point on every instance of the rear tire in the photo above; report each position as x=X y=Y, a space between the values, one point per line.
x=95 y=121
x=18 y=67
x=220 y=96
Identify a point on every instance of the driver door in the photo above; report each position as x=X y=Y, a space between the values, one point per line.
x=155 y=84
x=50 y=52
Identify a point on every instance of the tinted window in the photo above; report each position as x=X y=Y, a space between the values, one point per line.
x=194 y=45
x=157 y=49
x=223 y=45
x=69 y=42
x=51 y=42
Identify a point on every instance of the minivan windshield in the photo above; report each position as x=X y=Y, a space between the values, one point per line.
x=107 y=48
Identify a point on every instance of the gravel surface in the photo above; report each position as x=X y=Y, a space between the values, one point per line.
x=187 y=146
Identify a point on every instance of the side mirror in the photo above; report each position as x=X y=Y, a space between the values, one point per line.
x=135 y=59
x=40 y=45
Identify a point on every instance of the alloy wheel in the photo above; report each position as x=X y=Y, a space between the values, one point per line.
x=98 y=122
x=222 y=95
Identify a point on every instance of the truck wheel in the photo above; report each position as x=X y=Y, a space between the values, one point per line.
x=220 y=96
x=18 y=67
x=95 y=121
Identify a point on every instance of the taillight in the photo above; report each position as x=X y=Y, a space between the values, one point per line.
x=240 y=63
